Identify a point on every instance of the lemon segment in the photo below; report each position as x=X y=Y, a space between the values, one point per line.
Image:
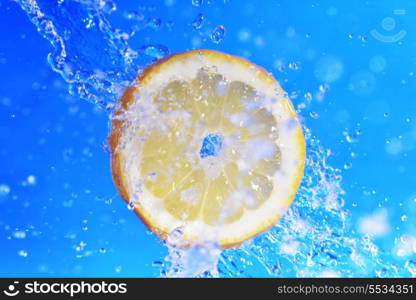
x=209 y=143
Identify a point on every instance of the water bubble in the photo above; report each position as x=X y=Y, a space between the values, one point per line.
x=218 y=34
x=19 y=234
x=294 y=66
x=31 y=180
x=351 y=36
x=157 y=263
x=308 y=96
x=410 y=265
x=154 y=23
x=118 y=269
x=131 y=205
x=198 y=21
x=170 y=24
x=155 y=51
x=103 y=250
x=329 y=69
x=394 y=146
x=107 y=6
x=4 y=189
x=22 y=253
x=134 y=15
x=350 y=138
x=197 y=3
x=377 y=64
x=362 y=83
x=347 y=166
x=314 y=115
x=244 y=35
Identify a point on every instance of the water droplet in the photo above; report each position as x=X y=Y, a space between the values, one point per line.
x=218 y=34
x=170 y=24
x=22 y=253
x=19 y=234
x=198 y=21
x=347 y=166
x=403 y=218
x=197 y=3
x=4 y=189
x=314 y=115
x=31 y=180
x=408 y=120
x=107 y=6
x=154 y=23
x=131 y=205
x=410 y=265
x=351 y=36
x=308 y=96
x=329 y=69
x=294 y=66
x=103 y=250
x=377 y=64
x=118 y=269
x=158 y=263
x=156 y=51
x=134 y=15
x=350 y=138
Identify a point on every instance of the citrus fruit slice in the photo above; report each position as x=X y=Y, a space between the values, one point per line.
x=208 y=143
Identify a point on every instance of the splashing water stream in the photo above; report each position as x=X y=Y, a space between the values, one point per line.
x=312 y=239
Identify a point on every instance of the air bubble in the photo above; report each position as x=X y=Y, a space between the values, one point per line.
x=308 y=96
x=134 y=15
x=314 y=115
x=4 y=189
x=131 y=205
x=155 y=51
x=347 y=166
x=31 y=180
x=294 y=66
x=22 y=253
x=198 y=21
x=197 y=3
x=154 y=23
x=410 y=265
x=19 y=234
x=218 y=34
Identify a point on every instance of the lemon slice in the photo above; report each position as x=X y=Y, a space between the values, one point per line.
x=208 y=143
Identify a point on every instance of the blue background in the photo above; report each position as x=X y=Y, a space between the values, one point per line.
x=73 y=220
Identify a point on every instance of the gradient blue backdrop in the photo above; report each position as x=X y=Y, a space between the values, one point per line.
x=55 y=182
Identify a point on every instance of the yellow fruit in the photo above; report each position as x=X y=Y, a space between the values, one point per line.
x=207 y=142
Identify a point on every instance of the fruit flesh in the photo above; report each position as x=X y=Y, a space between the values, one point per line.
x=216 y=189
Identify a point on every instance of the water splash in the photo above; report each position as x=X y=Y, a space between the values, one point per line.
x=92 y=57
